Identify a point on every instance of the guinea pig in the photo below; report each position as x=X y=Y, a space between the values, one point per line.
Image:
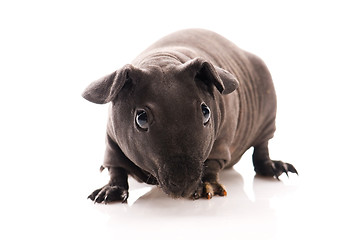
x=187 y=107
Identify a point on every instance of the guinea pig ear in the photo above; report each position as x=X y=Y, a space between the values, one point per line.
x=106 y=88
x=230 y=82
x=223 y=80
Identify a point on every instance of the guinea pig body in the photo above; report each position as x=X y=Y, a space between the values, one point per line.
x=187 y=107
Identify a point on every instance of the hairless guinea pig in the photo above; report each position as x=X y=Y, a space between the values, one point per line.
x=187 y=107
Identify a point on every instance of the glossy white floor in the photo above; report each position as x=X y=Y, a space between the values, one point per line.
x=323 y=201
x=52 y=140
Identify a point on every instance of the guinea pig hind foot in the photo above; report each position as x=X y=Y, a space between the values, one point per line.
x=272 y=168
x=264 y=166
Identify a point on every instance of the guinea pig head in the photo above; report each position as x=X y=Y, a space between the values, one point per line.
x=165 y=117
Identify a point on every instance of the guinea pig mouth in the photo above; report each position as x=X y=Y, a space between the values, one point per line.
x=179 y=189
x=180 y=177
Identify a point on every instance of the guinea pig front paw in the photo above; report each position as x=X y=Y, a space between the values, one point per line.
x=109 y=193
x=209 y=189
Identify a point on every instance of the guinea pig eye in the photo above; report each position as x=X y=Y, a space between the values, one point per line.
x=141 y=119
x=206 y=113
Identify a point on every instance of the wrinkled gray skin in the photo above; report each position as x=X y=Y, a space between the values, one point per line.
x=178 y=150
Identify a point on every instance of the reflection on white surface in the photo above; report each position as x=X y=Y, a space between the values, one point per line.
x=312 y=205
x=228 y=217
x=255 y=208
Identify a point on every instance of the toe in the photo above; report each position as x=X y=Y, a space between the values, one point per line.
x=116 y=193
x=214 y=188
x=221 y=190
x=208 y=189
x=198 y=193
x=280 y=167
x=291 y=168
x=93 y=195
x=100 y=197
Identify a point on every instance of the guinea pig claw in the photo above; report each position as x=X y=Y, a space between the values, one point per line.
x=195 y=196
x=291 y=168
x=124 y=196
x=223 y=193
x=98 y=199
x=285 y=171
x=93 y=195
x=209 y=195
x=275 y=174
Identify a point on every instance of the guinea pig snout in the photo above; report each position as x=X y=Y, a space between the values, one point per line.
x=180 y=176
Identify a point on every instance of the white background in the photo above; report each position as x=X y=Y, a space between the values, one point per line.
x=52 y=140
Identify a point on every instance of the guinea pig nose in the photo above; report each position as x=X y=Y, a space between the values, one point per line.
x=174 y=186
